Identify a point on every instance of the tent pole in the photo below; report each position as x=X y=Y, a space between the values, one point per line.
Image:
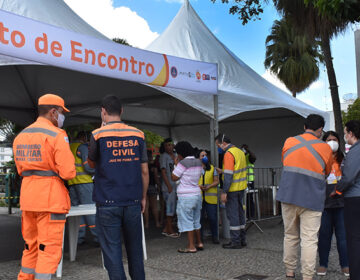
x=215 y=155
x=212 y=142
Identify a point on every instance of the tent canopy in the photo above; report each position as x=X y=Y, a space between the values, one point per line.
x=24 y=81
x=247 y=102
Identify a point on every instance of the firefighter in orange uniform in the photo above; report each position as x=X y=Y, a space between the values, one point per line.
x=43 y=158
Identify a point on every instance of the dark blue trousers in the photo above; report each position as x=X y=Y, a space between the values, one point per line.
x=332 y=219
x=114 y=224
x=236 y=216
x=210 y=211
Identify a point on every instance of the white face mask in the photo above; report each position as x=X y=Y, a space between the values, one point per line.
x=60 y=120
x=333 y=145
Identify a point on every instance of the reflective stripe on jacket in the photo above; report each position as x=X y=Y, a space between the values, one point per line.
x=307 y=161
x=43 y=157
x=207 y=179
x=239 y=180
x=82 y=177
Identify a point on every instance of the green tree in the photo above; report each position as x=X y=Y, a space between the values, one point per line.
x=121 y=41
x=353 y=112
x=8 y=130
x=152 y=138
x=292 y=57
x=311 y=21
x=321 y=19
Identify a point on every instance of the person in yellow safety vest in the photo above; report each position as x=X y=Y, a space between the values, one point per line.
x=234 y=183
x=81 y=187
x=250 y=160
x=208 y=183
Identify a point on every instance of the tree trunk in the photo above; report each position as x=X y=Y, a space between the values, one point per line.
x=325 y=45
x=294 y=94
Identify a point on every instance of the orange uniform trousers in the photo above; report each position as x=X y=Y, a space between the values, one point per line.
x=43 y=235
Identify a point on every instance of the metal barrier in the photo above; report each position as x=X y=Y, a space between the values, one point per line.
x=264 y=193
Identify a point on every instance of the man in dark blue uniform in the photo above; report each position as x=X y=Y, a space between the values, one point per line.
x=118 y=153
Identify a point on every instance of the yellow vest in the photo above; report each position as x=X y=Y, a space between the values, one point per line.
x=239 y=181
x=81 y=176
x=250 y=170
x=211 y=195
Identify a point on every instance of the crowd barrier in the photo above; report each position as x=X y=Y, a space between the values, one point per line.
x=263 y=196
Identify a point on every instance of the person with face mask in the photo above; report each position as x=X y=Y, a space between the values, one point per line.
x=307 y=161
x=332 y=218
x=43 y=158
x=349 y=187
x=208 y=183
x=234 y=184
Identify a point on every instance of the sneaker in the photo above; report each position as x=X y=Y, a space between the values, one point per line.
x=346 y=272
x=321 y=271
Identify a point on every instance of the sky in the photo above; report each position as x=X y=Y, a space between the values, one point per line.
x=142 y=21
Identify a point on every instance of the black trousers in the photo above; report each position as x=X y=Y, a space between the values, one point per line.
x=352 y=227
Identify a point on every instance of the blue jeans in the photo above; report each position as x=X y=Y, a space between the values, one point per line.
x=332 y=219
x=112 y=224
x=82 y=194
x=211 y=212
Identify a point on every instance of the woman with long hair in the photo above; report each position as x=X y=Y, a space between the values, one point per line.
x=333 y=215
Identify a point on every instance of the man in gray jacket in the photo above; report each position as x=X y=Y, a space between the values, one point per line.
x=349 y=186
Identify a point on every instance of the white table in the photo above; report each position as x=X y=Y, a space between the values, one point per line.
x=73 y=219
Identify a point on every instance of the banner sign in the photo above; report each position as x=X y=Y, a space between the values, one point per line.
x=32 y=40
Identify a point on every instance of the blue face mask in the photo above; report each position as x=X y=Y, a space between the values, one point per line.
x=221 y=151
x=205 y=160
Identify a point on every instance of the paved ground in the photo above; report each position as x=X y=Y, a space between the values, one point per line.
x=263 y=256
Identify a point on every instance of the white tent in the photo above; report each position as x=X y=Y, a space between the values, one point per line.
x=247 y=103
x=251 y=109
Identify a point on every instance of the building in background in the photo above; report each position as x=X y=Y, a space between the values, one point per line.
x=5 y=155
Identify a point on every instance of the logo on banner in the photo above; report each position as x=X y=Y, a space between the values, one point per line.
x=213 y=78
x=198 y=75
x=206 y=77
x=174 y=72
x=187 y=74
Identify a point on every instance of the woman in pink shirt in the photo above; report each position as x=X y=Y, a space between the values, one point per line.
x=188 y=171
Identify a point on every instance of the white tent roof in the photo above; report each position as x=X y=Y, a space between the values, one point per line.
x=241 y=89
x=22 y=82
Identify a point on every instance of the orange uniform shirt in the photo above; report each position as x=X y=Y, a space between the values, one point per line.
x=44 y=147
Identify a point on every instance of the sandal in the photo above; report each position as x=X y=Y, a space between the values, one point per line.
x=289 y=277
x=200 y=248
x=186 y=251
x=173 y=235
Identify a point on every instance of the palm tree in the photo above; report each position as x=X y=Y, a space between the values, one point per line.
x=316 y=24
x=292 y=57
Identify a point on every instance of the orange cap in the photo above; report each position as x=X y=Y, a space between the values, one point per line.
x=52 y=99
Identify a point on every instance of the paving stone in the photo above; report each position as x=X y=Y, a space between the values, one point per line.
x=262 y=256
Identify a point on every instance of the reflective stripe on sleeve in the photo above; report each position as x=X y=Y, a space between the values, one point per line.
x=43 y=276
x=40 y=130
x=28 y=270
x=304 y=172
x=307 y=144
x=81 y=173
x=44 y=173
x=57 y=217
